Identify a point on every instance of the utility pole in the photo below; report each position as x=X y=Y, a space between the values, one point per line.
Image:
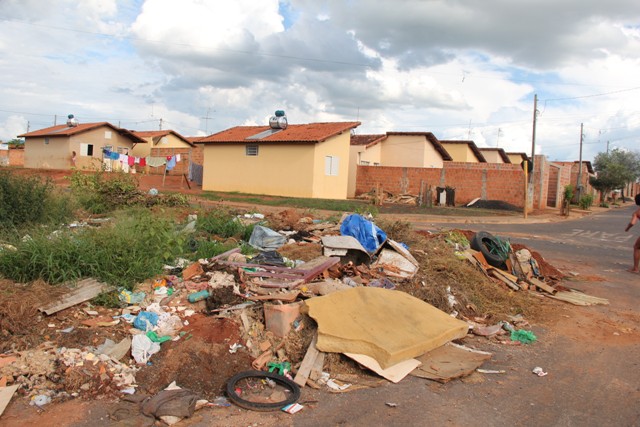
x=207 y=118
x=161 y=123
x=607 y=147
x=579 y=186
x=535 y=117
x=55 y=119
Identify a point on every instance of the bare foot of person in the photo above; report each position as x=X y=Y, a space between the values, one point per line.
x=631 y=270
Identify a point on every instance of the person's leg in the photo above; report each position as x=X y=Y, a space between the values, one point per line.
x=636 y=256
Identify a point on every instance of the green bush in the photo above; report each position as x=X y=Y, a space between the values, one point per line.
x=30 y=200
x=223 y=224
x=568 y=193
x=586 y=201
x=103 y=192
x=132 y=249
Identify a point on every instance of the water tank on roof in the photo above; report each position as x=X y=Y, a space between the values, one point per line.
x=72 y=121
x=278 y=120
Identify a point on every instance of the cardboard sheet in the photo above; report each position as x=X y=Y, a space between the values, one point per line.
x=390 y=326
x=449 y=362
x=393 y=373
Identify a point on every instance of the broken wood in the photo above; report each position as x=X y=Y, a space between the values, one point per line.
x=498 y=274
x=542 y=286
x=307 y=363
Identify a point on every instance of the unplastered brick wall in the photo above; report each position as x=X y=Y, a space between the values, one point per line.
x=182 y=167
x=197 y=154
x=489 y=181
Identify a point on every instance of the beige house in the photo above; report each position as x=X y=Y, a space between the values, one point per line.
x=463 y=151
x=165 y=139
x=53 y=147
x=402 y=149
x=495 y=155
x=517 y=158
x=304 y=160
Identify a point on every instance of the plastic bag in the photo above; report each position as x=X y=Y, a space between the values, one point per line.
x=145 y=320
x=266 y=239
x=142 y=348
x=370 y=236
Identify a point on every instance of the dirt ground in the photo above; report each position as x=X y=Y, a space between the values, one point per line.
x=579 y=347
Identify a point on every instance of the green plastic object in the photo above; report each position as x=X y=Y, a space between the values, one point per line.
x=525 y=337
x=281 y=367
x=155 y=338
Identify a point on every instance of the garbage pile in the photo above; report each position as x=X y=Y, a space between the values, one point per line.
x=238 y=325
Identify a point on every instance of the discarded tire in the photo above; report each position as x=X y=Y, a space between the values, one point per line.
x=261 y=406
x=483 y=242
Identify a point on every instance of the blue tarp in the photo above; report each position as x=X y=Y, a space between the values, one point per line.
x=366 y=232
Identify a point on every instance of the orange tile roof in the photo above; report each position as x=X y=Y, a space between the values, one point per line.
x=66 y=131
x=368 y=140
x=302 y=133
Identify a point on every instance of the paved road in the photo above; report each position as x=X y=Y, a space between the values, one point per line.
x=598 y=237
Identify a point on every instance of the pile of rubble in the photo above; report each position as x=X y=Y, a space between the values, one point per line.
x=202 y=323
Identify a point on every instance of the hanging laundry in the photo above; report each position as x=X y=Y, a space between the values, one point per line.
x=142 y=161
x=169 y=158
x=156 y=161
x=123 y=158
x=131 y=160
x=177 y=158
x=114 y=156
x=171 y=163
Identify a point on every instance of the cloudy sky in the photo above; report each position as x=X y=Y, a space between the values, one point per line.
x=462 y=69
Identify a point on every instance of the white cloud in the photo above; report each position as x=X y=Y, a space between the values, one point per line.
x=457 y=69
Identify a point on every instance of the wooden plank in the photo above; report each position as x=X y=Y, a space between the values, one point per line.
x=318 y=364
x=541 y=285
x=498 y=275
x=578 y=298
x=307 y=363
x=85 y=290
x=6 y=393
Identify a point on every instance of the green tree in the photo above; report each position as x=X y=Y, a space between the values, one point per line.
x=615 y=169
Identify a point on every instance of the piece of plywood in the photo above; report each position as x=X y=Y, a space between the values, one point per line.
x=84 y=291
x=390 y=326
x=578 y=298
x=449 y=362
x=6 y=393
x=393 y=373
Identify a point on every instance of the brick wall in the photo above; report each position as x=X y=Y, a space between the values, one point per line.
x=197 y=154
x=182 y=167
x=490 y=181
x=12 y=157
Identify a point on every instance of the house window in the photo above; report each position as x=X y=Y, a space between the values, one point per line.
x=123 y=150
x=252 y=149
x=46 y=140
x=331 y=165
x=86 y=150
x=364 y=163
x=376 y=164
x=107 y=134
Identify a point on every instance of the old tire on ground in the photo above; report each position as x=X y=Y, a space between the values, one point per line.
x=480 y=242
x=260 y=406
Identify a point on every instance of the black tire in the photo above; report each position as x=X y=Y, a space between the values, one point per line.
x=259 y=406
x=479 y=243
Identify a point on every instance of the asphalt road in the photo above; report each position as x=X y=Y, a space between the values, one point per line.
x=597 y=240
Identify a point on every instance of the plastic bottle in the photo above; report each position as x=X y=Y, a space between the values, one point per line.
x=198 y=296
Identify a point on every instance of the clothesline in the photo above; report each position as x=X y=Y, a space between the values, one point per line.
x=153 y=161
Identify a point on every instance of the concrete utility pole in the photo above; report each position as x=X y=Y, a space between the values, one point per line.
x=535 y=117
x=160 y=123
x=579 y=186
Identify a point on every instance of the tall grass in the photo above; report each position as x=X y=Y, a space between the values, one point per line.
x=132 y=249
x=30 y=200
